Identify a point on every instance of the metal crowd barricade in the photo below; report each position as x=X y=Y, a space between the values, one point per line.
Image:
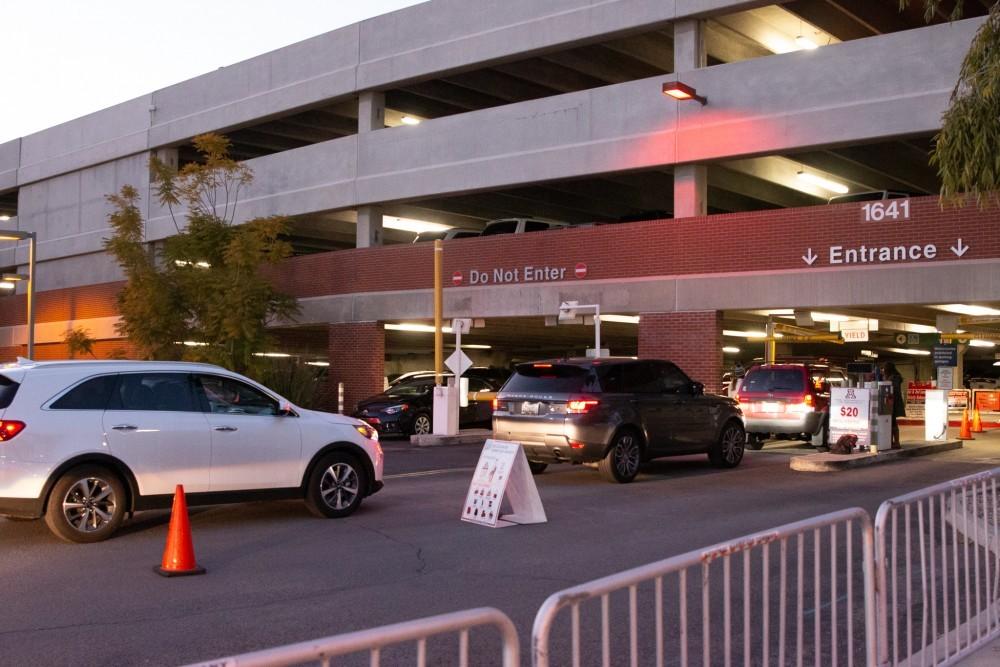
x=375 y=640
x=802 y=593
x=938 y=553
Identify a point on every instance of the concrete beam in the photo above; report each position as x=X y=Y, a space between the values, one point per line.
x=369 y=226
x=371 y=111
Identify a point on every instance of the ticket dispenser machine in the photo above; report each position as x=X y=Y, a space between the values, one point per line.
x=881 y=414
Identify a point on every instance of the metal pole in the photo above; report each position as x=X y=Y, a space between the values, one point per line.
x=597 y=331
x=770 y=344
x=31 y=296
x=438 y=303
x=458 y=378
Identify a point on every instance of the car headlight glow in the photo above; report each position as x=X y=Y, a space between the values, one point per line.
x=367 y=431
x=395 y=409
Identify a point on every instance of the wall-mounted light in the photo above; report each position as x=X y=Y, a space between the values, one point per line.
x=825 y=183
x=683 y=92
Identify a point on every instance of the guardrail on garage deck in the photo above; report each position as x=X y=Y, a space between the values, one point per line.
x=939 y=577
x=823 y=623
x=375 y=640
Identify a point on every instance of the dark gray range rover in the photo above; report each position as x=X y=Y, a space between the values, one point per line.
x=617 y=412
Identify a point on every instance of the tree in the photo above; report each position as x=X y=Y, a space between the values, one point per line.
x=78 y=341
x=967 y=149
x=200 y=296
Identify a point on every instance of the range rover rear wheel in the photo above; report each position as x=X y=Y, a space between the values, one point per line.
x=87 y=504
x=621 y=463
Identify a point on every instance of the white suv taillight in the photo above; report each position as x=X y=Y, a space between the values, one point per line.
x=10 y=428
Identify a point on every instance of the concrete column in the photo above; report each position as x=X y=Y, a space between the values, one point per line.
x=690 y=190
x=357 y=358
x=692 y=340
x=369 y=232
x=690 y=180
x=689 y=45
x=371 y=111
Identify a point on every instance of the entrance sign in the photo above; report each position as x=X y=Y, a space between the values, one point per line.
x=502 y=473
x=849 y=412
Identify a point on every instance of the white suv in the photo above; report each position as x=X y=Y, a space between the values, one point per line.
x=82 y=443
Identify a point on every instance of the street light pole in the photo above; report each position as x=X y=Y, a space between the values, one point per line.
x=11 y=235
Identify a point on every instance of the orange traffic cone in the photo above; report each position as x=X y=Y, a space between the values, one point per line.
x=178 y=555
x=966 y=432
x=977 y=424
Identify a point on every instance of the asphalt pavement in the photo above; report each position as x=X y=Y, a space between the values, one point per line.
x=278 y=575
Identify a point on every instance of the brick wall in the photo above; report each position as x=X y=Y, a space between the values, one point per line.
x=357 y=358
x=692 y=340
x=103 y=349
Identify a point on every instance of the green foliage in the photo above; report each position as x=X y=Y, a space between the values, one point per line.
x=967 y=149
x=204 y=283
x=78 y=341
x=294 y=380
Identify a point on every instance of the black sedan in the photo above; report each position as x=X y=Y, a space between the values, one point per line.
x=407 y=407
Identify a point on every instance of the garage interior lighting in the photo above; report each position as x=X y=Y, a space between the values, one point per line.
x=903 y=350
x=415 y=328
x=982 y=343
x=623 y=319
x=412 y=225
x=4 y=218
x=190 y=343
x=322 y=364
x=806 y=43
x=731 y=350
x=409 y=120
x=476 y=346
x=7 y=284
x=824 y=183
x=272 y=355
x=747 y=334
x=964 y=309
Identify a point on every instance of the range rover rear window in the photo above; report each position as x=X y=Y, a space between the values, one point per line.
x=7 y=390
x=552 y=379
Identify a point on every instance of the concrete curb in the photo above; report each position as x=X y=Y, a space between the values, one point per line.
x=470 y=437
x=826 y=462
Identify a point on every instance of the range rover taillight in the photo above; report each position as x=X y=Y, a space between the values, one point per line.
x=580 y=406
x=10 y=428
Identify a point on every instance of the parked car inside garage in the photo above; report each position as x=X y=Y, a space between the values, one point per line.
x=407 y=407
x=616 y=412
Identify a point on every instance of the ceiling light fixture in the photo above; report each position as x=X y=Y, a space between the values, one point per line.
x=825 y=183
x=683 y=92
x=409 y=120
x=806 y=43
x=4 y=218
x=412 y=225
x=982 y=343
x=731 y=350
x=965 y=309
x=623 y=319
x=415 y=328
x=913 y=353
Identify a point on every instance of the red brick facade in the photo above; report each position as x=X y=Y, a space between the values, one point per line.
x=357 y=358
x=692 y=340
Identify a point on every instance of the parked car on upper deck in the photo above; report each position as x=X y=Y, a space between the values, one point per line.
x=446 y=235
x=86 y=442
x=616 y=412
x=520 y=226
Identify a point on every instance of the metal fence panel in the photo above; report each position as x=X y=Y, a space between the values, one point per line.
x=803 y=593
x=938 y=553
x=375 y=641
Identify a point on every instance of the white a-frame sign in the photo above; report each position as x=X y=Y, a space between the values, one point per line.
x=502 y=474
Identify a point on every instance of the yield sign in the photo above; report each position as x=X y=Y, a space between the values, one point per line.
x=458 y=362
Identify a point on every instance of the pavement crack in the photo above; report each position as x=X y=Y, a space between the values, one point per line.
x=418 y=551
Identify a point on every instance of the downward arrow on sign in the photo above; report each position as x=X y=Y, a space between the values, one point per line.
x=960 y=249
x=809 y=257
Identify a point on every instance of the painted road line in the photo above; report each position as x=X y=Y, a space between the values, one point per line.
x=427 y=473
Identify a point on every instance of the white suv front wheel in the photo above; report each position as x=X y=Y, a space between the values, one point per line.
x=336 y=486
x=87 y=504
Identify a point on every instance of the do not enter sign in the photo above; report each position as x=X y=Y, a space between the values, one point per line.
x=456 y=278
x=581 y=270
